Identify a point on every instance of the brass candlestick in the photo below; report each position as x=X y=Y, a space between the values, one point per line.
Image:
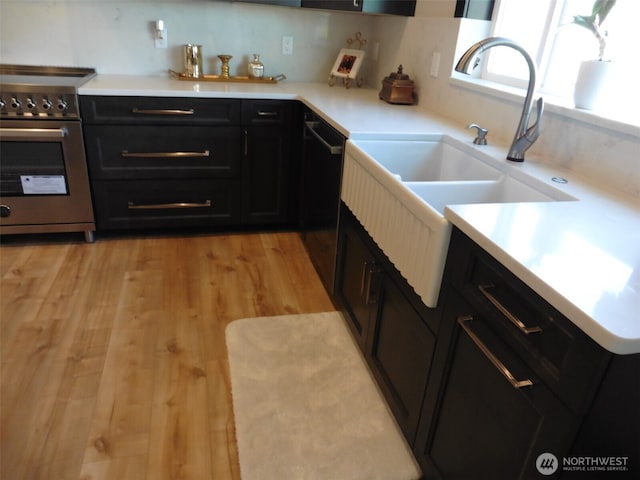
x=224 y=72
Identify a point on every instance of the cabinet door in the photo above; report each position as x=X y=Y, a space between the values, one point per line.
x=266 y=183
x=400 y=354
x=390 y=7
x=357 y=282
x=485 y=426
x=285 y=3
x=347 y=5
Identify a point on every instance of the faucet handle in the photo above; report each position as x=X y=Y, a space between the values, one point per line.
x=481 y=138
x=533 y=132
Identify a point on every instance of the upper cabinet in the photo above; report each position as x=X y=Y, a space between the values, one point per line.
x=387 y=7
x=286 y=3
x=478 y=9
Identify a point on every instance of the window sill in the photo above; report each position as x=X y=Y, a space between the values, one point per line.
x=617 y=122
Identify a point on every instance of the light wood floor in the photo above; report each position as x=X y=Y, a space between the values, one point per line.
x=113 y=359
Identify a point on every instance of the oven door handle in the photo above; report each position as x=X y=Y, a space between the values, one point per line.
x=34 y=133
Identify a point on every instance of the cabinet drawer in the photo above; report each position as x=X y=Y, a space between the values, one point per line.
x=495 y=416
x=159 y=110
x=141 y=152
x=166 y=203
x=266 y=112
x=559 y=352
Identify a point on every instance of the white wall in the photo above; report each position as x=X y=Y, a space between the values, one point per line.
x=116 y=37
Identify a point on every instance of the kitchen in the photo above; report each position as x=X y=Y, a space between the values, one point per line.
x=117 y=38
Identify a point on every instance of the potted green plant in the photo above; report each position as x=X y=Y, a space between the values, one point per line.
x=592 y=74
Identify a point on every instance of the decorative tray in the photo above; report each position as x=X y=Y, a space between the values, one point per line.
x=220 y=78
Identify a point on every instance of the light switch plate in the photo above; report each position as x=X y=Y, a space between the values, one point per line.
x=435 y=64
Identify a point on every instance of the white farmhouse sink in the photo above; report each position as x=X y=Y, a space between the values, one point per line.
x=503 y=190
x=398 y=190
x=440 y=159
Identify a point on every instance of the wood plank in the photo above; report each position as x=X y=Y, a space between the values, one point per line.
x=113 y=362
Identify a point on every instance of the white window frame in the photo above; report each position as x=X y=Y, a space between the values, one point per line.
x=625 y=122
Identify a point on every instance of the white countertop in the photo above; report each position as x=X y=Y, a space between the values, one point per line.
x=583 y=257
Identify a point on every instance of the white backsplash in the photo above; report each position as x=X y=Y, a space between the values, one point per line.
x=116 y=37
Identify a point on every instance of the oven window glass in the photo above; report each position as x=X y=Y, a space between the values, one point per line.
x=32 y=168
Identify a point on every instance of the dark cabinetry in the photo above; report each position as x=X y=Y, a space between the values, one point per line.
x=284 y=3
x=518 y=378
x=390 y=7
x=495 y=416
x=271 y=136
x=390 y=323
x=320 y=196
x=190 y=162
x=492 y=379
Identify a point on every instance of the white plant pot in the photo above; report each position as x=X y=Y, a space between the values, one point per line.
x=592 y=77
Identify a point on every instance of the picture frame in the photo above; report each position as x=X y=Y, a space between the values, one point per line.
x=348 y=63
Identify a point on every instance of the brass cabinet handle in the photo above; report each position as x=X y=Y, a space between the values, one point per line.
x=510 y=316
x=162 y=111
x=369 y=270
x=159 y=206
x=127 y=154
x=463 y=321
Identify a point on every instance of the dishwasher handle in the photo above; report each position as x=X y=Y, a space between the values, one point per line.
x=333 y=149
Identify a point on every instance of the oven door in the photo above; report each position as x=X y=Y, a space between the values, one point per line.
x=44 y=185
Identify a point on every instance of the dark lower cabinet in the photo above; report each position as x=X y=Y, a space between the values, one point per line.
x=514 y=379
x=388 y=320
x=358 y=281
x=157 y=162
x=494 y=383
x=271 y=137
x=488 y=426
x=125 y=204
x=400 y=352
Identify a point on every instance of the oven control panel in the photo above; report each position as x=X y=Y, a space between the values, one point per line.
x=38 y=105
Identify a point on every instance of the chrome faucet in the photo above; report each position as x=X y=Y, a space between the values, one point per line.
x=525 y=135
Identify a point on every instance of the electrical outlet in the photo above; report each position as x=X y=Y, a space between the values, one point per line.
x=287 y=45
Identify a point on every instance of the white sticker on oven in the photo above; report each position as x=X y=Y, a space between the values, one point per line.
x=43 y=184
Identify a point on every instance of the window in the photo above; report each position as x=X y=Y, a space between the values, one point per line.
x=544 y=28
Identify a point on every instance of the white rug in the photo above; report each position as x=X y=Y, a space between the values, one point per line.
x=305 y=405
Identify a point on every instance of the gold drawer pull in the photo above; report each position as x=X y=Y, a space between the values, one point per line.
x=127 y=154
x=463 y=320
x=163 y=111
x=510 y=316
x=160 y=206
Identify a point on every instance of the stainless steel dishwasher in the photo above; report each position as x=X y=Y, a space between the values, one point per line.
x=320 y=199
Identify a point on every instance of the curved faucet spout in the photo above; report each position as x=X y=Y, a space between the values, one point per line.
x=525 y=135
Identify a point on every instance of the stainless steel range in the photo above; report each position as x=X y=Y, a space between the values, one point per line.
x=44 y=185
